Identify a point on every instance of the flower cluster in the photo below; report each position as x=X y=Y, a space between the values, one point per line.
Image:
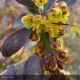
x=59 y=13
x=39 y=23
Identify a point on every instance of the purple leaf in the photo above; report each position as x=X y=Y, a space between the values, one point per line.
x=2 y=78
x=30 y=5
x=15 y=41
x=18 y=22
x=11 y=70
x=33 y=66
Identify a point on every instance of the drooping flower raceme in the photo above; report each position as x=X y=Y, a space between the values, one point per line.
x=46 y=23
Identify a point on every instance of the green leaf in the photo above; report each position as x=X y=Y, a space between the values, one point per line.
x=48 y=5
x=45 y=40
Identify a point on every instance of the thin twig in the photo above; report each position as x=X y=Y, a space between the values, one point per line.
x=64 y=24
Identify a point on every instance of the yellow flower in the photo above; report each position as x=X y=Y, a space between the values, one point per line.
x=44 y=26
x=54 y=30
x=37 y=21
x=59 y=13
x=40 y=23
x=55 y=15
x=40 y=2
x=63 y=6
x=27 y=20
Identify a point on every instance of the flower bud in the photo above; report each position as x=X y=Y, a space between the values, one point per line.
x=54 y=45
x=53 y=66
x=46 y=66
x=40 y=44
x=62 y=55
x=60 y=64
x=42 y=52
x=62 y=32
x=33 y=36
x=58 y=43
x=64 y=10
x=52 y=63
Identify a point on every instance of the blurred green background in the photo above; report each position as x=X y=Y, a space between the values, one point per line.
x=10 y=9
